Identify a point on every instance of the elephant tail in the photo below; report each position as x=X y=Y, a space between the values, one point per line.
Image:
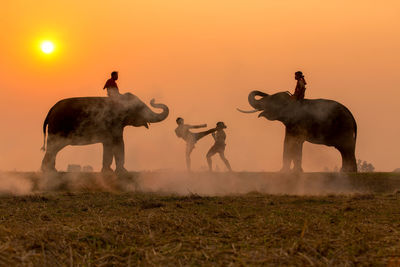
x=354 y=125
x=46 y=121
x=355 y=129
x=354 y=122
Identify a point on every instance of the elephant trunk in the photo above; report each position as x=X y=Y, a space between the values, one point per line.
x=157 y=117
x=257 y=104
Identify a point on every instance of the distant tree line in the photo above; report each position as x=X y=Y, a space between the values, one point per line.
x=363 y=166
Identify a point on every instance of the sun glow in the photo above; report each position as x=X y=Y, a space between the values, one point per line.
x=47 y=47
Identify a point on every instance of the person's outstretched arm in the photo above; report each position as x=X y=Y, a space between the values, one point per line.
x=197 y=126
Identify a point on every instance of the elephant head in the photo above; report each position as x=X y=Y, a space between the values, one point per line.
x=136 y=113
x=278 y=106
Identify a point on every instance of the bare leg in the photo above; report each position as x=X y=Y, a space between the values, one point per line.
x=209 y=162
x=210 y=153
x=200 y=135
x=222 y=155
x=189 y=149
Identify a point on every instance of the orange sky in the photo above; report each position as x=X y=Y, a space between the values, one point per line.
x=201 y=58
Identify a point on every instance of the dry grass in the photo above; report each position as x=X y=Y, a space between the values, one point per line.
x=105 y=228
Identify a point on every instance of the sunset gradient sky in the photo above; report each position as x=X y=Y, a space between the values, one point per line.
x=201 y=58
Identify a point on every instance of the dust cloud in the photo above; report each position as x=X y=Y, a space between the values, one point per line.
x=14 y=184
x=180 y=183
x=219 y=184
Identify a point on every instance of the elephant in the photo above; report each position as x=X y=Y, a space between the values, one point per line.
x=318 y=121
x=89 y=120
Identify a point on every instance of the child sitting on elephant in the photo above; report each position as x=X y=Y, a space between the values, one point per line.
x=183 y=131
x=111 y=85
x=300 y=89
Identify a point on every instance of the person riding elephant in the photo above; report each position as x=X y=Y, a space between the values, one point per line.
x=300 y=90
x=90 y=120
x=111 y=85
x=318 y=121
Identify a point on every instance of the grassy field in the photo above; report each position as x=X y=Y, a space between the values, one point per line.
x=97 y=224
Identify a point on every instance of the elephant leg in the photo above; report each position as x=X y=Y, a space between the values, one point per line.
x=344 y=160
x=352 y=162
x=107 y=157
x=287 y=152
x=119 y=154
x=49 y=162
x=298 y=155
x=54 y=145
x=349 y=163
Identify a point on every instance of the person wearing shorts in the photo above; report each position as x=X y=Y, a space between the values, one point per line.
x=183 y=131
x=219 y=146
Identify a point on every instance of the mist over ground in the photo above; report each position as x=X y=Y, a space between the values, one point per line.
x=201 y=183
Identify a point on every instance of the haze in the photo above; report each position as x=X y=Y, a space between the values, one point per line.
x=201 y=58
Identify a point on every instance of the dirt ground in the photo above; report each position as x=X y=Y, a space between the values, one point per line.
x=94 y=226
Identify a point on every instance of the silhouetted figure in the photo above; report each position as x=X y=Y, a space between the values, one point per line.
x=111 y=85
x=300 y=89
x=318 y=121
x=90 y=120
x=183 y=131
x=219 y=146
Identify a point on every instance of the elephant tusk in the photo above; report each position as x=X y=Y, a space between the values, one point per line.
x=289 y=93
x=247 y=111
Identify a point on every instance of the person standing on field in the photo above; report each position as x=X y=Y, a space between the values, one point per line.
x=111 y=85
x=183 y=131
x=219 y=146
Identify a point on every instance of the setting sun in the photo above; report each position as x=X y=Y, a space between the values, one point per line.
x=47 y=47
